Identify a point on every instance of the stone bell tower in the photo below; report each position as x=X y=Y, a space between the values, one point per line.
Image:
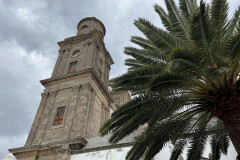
x=75 y=101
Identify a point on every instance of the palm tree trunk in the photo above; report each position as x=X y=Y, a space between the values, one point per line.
x=231 y=120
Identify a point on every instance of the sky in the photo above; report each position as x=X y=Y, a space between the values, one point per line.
x=29 y=32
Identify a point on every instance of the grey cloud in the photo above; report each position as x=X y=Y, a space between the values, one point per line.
x=35 y=27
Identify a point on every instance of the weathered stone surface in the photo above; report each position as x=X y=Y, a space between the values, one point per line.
x=83 y=93
x=120 y=97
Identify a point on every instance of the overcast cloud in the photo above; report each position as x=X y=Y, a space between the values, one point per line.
x=29 y=32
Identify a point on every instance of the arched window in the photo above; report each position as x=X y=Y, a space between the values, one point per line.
x=84 y=29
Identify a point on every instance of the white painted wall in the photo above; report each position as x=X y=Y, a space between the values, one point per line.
x=111 y=154
x=116 y=154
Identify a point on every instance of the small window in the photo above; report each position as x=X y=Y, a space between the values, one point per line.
x=59 y=116
x=72 y=67
x=84 y=29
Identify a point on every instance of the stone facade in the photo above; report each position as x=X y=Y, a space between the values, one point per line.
x=120 y=97
x=78 y=84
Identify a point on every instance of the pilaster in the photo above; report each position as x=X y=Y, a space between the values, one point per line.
x=90 y=54
x=62 y=64
x=90 y=109
x=37 y=118
x=72 y=114
x=47 y=114
x=60 y=55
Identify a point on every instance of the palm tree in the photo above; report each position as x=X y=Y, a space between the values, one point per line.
x=185 y=82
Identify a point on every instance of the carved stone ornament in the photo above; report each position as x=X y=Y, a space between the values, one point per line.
x=25 y=154
x=61 y=51
x=75 y=53
x=44 y=94
x=76 y=146
x=48 y=152
x=62 y=150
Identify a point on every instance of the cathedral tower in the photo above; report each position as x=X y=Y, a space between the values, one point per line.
x=75 y=101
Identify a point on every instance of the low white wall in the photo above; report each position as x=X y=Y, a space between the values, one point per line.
x=110 y=154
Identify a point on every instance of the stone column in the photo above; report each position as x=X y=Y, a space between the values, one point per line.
x=72 y=109
x=45 y=116
x=61 y=52
x=90 y=54
x=37 y=118
x=90 y=110
x=103 y=114
x=108 y=70
x=63 y=67
x=96 y=58
x=107 y=112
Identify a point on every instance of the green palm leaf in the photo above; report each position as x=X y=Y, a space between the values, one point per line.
x=185 y=82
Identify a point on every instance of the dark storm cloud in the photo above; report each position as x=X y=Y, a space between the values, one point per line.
x=29 y=32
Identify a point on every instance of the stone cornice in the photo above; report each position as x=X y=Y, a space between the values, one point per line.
x=56 y=144
x=100 y=148
x=93 y=34
x=74 y=74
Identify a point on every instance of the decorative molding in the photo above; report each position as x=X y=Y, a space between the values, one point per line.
x=75 y=53
x=84 y=37
x=62 y=150
x=48 y=152
x=61 y=51
x=76 y=146
x=53 y=93
x=44 y=94
x=67 y=50
x=25 y=154
x=89 y=86
x=47 y=149
x=77 y=87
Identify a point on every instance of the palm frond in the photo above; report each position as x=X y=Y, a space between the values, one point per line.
x=144 y=43
x=159 y=37
x=202 y=33
x=164 y=17
x=178 y=22
x=178 y=149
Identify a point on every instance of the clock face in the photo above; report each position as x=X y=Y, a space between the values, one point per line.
x=75 y=53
